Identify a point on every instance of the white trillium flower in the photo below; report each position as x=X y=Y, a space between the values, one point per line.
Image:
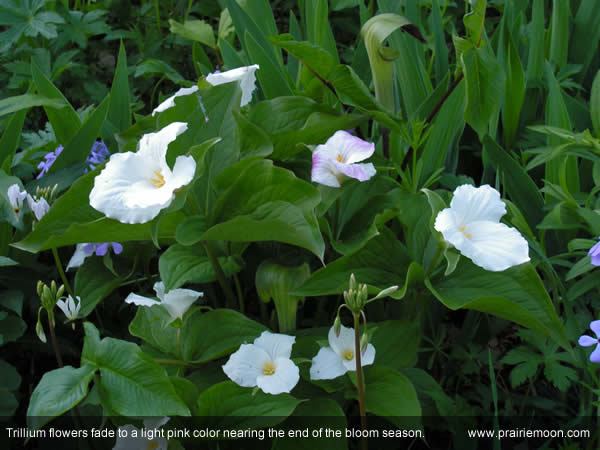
x=16 y=197
x=129 y=442
x=70 y=307
x=337 y=160
x=337 y=359
x=170 y=102
x=135 y=187
x=245 y=75
x=266 y=363
x=472 y=225
x=176 y=301
x=39 y=206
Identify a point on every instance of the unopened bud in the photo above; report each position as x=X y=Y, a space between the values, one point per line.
x=364 y=341
x=60 y=292
x=53 y=288
x=39 y=330
x=352 y=283
x=40 y=288
x=337 y=326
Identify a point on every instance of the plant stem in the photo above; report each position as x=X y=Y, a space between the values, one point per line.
x=240 y=295
x=216 y=265
x=54 y=342
x=360 y=382
x=61 y=273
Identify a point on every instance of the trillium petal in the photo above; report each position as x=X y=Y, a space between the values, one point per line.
x=493 y=246
x=141 y=301
x=284 y=379
x=343 y=342
x=595 y=327
x=170 y=102
x=275 y=344
x=78 y=257
x=246 y=365
x=472 y=204
x=245 y=75
x=360 y=172
x=587 y=341
x=366 y=359
x=159 y=288
x=154 y=145
x=178 y=301
x=324 y=171
x=327 y=365
x=183 y=172
x=352 y=149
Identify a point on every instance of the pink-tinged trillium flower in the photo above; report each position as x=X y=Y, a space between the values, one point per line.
x=16 y=197
x=176 y=301
x=82 y=251
x=141 y=442
x=337 y=359
x=135 y=187
x=265 y=364
x=472 y=225
x=594 y=254
x=588 y=341
x=337 y=160
x=39 y=206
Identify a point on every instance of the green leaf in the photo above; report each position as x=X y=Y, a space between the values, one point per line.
x=536 y=57
x=595 y=104
x=194 y=30
x=390 y=394
x=559 y=32
x=130 y=383
x=392 y=335
x=261 y=202
x=474 y=21
x=514 y=92
x=516 y=294
x=20 y=102
x=521 y=188
x=93 y=283
x=119 y=113
x=9 y=142
x=78 y=148
x=11 y=380
x=57 y=392
x=318 y=26
x=484 y=79
x=180 y=265
x=227 y=405
x=64 y=119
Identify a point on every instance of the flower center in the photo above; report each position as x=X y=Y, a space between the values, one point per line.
x=463 y=230
x=348 y=355
x=153 y=445
x=158 y=180
x=269 y=368
x=339 y=158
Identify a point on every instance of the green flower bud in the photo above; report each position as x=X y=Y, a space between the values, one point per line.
x=364 y=341
x=337 y=326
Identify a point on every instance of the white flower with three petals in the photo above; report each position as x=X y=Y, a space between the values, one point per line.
x=472 y=225
x=337 y=359
x=135 y=187
x=176 y=301
x=265 y=364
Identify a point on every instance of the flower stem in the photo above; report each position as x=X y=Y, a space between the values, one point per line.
x=54 y=342
x=360 y=382
x=61 y=272
x=216 y=265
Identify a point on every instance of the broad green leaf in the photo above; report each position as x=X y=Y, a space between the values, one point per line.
x=227 y=405
x=20 y=102
x=585 y=35
x=392 y=335
x=57 y=392
x=130 y=383
x=484 y=81
x=93 y=283
x=519 y=185
x=78 y=148
x=9 y=142
x=65 y=120
x=180 y=265
x=474 y=21
x=11 y=380
x=516 y=294
x=194 y=30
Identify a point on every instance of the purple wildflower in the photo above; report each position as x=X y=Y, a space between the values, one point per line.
x=594 y=253
x=97 y=155
x=102 y=248
x=49 y=159
x=588 y=341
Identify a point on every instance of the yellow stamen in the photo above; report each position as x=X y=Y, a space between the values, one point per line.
x=348 y=355
x=158 y=180
x=269 y=368
x=340 y=158
x=463 y=230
